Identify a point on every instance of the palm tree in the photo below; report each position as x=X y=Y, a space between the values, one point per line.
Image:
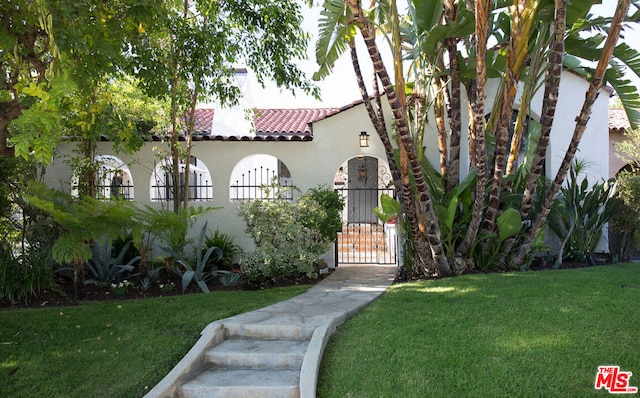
x=530 y=51
x=426 y=217
x=581 y=124
x=482 y=9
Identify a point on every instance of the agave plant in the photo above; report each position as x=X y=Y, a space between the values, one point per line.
x=190 y=271
x=103 y=267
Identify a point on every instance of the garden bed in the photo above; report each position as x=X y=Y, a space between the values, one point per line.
x=64 y=294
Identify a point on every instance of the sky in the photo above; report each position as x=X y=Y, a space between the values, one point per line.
x=340 y=88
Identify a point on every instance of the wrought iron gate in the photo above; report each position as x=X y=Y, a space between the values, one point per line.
x=364 y=239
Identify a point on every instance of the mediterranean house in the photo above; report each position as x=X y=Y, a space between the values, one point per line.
x=232 y=158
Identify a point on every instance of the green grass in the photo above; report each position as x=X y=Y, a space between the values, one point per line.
x=110 y=349
x=531 y=334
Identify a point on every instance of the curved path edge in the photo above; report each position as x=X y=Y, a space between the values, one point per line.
x=313 y=316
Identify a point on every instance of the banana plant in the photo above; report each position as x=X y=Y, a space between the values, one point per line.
x=509 y=224
x=454 y=212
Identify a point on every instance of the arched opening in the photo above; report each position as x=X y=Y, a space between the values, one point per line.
x=163 y=188
x=365 y=239
x=112 y=179
x=260 y=176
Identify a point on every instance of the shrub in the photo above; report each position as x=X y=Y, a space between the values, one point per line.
x=320 y=211
x=24 y=276
x=624 y=225
x=289 y=237
x=225 y=243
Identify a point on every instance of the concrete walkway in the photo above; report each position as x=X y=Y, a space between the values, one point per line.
x=274 y=351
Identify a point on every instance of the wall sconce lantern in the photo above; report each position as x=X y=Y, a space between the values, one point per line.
x=364 y=139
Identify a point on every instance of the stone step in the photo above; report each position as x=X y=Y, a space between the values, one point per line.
x=243 y=383
x=371 y=245
x=248 y=353
x=268 y=332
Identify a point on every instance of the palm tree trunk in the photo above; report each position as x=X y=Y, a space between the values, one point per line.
x=380 y=128
x=521 y=22
x=407 y=192
x=471 y=101
x=453 y=165
x=425 y=204
x=482 y=9
x=438 y=110
x=581 y=124
x=401 y=179
x=550 y=101
x=552 y=85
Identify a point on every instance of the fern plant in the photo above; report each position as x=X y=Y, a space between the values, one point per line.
x=82 y=221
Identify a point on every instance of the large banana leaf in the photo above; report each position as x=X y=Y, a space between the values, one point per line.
x=426 y=14
x=389 y=207
x=509 y=223
x=333 y=36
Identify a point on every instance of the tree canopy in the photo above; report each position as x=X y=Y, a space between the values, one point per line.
x=53 y=50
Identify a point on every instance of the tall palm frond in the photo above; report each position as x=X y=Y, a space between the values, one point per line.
x=334 y=35
x=583 y=49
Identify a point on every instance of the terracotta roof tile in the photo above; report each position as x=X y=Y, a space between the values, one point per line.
x=270 y=124
x=618 y=119
x=203 y=120
x=269 y=121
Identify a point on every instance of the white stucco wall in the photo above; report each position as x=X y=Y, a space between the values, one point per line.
x=335 y=140
x=311 y=163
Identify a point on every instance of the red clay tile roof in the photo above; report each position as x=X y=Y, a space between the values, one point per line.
x=618 y=120
x=288 y=124
x=270 y=124
x=203 y=119
x=269 y=121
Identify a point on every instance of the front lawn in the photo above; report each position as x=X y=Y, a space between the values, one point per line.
x=111 y=348
x=530 y=334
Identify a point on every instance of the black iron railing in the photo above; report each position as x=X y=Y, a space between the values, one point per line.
x=200 y=188
x=120 y=191
x=261 y=183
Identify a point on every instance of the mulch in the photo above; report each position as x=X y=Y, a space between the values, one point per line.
x=65 y=294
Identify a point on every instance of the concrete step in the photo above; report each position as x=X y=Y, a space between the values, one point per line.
x=268 y=332
x=257 y=354
x=243 y=383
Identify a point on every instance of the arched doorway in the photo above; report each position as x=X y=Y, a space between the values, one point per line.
x=364 y=238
